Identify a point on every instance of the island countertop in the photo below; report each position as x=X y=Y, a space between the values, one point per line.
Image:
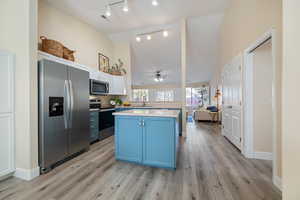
x=150 y=113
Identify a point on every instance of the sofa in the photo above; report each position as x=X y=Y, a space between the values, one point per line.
x=205 y=114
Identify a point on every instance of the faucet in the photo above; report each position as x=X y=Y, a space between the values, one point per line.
x=144 y=100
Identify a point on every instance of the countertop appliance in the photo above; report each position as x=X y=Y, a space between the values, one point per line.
x=98 y=87
x=95 y=105
x=63 y=113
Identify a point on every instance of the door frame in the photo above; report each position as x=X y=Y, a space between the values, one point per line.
x=248 y=149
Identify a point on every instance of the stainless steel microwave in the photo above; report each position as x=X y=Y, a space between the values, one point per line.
x=98 y=87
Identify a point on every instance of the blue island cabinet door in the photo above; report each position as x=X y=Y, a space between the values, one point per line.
x=159 y=143
x=128 y=138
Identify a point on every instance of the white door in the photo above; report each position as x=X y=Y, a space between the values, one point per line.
x=6 y=114
x=232 y=98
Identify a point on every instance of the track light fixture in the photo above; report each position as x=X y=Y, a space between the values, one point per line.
x=148 y=35
x=125 y=8
x=108 y=11
x=154 y=3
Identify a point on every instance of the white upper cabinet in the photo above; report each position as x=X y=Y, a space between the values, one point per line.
x=119 y=85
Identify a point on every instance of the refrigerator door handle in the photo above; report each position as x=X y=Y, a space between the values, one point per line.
x=67 y=104
x=71 y=103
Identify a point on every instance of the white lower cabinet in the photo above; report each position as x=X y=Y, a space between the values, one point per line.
x=7 y=147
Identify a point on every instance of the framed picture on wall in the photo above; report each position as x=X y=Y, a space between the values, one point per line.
x=103 y=62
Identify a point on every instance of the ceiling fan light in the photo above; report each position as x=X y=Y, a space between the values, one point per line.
x=125 y=8
x=165 y=33
x=154 y=3
x=138 y=39
x=108 y=11
x=149 y=37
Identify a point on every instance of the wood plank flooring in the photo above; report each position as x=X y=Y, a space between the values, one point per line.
x=209 y=168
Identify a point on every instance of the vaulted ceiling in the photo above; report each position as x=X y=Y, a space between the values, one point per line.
x=204 y=18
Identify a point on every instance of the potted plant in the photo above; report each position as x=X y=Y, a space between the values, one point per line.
x=118 y=69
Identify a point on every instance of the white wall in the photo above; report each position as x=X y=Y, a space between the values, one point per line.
x=262 y=99
x=18 y=22
x=244 y=23
x=74 y=34
x=291 y=96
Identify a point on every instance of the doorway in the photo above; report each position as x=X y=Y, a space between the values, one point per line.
x=259 y=97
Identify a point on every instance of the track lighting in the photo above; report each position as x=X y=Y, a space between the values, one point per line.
x=125 y=8
x=138 y=39
x=149 y=37
x=108 y=11
x=165 y=33
x=154 y=3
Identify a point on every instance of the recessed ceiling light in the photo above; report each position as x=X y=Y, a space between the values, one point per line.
x=108 y=11
x=125 y=8
x=154 y=3
x=149 y=37
x=165 y=33
x=138 y=39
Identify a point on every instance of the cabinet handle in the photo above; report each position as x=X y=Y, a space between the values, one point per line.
x=143 y=123
x=140 y=123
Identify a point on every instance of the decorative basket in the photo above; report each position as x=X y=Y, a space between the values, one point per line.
x=52 y=47
x=68 y=54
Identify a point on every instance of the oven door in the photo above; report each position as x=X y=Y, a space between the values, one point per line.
x=98 y=87
x=106 y=123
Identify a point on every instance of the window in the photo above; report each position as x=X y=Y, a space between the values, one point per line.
x=197 y=96
x=164 y=95
x=140 y=95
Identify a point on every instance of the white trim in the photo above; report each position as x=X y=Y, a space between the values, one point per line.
x=27 y=174
x=277 y=182
x=263 y=155
x=248 y=145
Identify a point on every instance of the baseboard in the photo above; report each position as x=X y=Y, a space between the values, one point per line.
x=277 y=182
x=27 y=174
x=263 y=155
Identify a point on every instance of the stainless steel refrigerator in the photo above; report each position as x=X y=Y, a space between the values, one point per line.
x=63 y=112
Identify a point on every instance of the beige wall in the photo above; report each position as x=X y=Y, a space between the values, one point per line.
x=74 y=34
x=262 y=99
x=18 y=35
x=291 y=96
x=245 y=22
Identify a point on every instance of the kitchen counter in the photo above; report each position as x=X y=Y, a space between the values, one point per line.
x=150 y=113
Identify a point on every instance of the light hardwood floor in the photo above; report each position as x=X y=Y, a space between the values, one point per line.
x=209 y=167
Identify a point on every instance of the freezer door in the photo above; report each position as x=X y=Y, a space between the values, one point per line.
x=79 y=131
x=53 y=105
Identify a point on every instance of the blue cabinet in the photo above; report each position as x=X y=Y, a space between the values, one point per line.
x=159 y=142
x=147 y=140
x=128 y=138
x=94 y=126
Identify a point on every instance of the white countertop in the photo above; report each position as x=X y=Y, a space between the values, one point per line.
x=150 y=113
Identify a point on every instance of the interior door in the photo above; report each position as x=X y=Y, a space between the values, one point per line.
x=79 y=115
x=231 y=115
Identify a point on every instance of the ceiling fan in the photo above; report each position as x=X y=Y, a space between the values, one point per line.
x=158 y=76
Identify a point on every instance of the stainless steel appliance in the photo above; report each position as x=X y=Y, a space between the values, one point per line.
x=63 y=112
x=106 y=122
x=98 y=87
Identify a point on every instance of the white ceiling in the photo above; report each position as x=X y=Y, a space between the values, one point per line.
x=142 y=13
x=204 y=20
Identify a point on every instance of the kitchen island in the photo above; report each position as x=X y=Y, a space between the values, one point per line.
x=147 y=137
